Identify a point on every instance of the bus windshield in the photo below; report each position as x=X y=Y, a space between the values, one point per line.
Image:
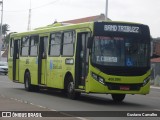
x=120 y=51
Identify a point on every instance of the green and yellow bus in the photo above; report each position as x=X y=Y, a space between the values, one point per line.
x=95 y=57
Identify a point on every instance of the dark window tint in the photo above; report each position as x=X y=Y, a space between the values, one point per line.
x=120 y=51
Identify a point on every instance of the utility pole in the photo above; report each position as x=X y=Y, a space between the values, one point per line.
x=106 y=10
x=29 y=18
x=1 y=42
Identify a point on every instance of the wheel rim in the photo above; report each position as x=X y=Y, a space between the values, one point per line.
x=26 y=82
x=70 y=87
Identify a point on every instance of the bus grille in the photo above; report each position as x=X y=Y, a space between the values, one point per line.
x=117 y=86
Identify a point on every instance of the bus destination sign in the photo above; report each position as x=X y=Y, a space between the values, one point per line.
x=122 y=28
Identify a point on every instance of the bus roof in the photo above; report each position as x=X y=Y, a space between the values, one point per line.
x=55 y=27
x=64 y=26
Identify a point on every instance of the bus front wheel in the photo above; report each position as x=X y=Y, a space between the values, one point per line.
x=118 y=97
x=71 y=93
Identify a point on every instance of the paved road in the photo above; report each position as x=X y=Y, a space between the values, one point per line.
x=52 y=100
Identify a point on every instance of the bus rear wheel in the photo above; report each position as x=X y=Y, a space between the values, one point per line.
x=27 y=82
x=71 y=93
x=118 y=97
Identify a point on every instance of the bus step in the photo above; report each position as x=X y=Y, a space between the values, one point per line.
x=79 y=90
x=16 y=81
x=41 y=85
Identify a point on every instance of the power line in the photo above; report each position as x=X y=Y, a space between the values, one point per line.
x=53 y=2
x=38 y=7
x=30 y=12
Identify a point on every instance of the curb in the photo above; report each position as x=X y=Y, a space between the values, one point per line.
x=155 y=87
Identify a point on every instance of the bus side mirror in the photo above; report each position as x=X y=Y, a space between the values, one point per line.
x=90 y=42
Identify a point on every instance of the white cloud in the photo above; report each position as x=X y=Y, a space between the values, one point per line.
x=143 y=11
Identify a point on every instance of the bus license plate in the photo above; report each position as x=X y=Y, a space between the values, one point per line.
x=124 y=88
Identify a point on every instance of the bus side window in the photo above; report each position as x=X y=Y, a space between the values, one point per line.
x=68 y=43
x=34 y=40
x=25 y=46
x=55 y=44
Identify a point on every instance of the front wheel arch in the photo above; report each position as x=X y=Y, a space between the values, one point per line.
x=66 y=81
x=69 y=87
x=27 y=83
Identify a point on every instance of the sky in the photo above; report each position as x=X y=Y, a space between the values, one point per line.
x=45 y=12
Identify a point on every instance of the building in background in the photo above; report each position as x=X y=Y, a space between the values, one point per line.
x=86 y=19
x=155 y=61
x=155 y=75
x=156 y=47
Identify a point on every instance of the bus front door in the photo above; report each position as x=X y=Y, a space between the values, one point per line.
x=81 y=63
x=16 y=60
x=42 y=60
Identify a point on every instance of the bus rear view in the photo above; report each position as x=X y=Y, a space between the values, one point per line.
x=120 y=59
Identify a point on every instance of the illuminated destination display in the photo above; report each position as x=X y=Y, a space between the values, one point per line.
x=121 y=28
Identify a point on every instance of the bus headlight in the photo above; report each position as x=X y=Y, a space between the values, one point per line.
x=101 y=80
x=98 y=78
x=146 y=80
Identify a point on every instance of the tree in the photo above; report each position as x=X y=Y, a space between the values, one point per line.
x=6 y=39
x=5 y=29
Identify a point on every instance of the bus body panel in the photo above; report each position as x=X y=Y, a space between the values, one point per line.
x=55 y=68
x=23 y=67
x=10 y=67
x=129 y=80
x=17 y=69
x=28 y=64
x=33 y=69
x=55 y=77
x=43 y=74
x=22 y=70
x=67 y=68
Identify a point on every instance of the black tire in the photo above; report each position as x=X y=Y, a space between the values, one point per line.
x=71 y=93
x=118 y=97
x=27 y=82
